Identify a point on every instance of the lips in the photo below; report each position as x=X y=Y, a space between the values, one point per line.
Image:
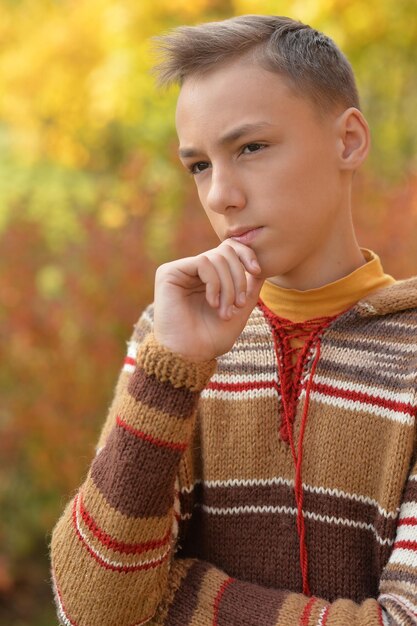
x=246 y=235
x=240 y=231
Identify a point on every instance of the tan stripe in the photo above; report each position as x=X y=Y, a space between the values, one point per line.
x=404 y=589
x=396 y=567
x=155 y=422
x=118 y=555
x=240 y=440
x=118 y=525
x=366 y=440
x=68 y=553
x=292 y=609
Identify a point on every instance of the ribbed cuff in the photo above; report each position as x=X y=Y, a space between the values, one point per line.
x=155 y=359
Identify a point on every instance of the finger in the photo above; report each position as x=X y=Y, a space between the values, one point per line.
x=237 y=270
x=208 y=274
x=245 y=254
x=227 y=289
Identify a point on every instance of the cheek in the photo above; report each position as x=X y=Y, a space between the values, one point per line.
x=215 y=221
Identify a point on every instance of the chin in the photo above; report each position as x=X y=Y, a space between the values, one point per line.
x=272 y=270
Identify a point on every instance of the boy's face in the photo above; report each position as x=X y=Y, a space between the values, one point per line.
x=261 y=159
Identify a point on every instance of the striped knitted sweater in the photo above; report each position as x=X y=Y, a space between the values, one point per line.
x=190 y=514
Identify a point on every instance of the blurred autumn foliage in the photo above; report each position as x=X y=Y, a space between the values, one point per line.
x=92 y=199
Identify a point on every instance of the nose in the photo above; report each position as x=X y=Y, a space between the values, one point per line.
x=226 y=191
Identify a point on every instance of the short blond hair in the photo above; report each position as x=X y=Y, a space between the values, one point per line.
x=309 y=61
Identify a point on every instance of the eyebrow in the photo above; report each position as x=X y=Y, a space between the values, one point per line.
x=228 y=138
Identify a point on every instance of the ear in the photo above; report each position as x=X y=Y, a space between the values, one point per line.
x=354 y=139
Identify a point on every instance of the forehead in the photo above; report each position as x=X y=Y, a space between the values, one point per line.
x=235 y=93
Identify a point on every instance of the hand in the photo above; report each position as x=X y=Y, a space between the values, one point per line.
x=198 y=312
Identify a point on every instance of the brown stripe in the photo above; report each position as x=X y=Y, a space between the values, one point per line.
x=249 y=604
x=380 y=352
x=161 y=395
x=185 y=600
x=399 y=576
x=410 y=494
x=384 y=374
x=331 y=551
x=135 y=476
x=283 y=495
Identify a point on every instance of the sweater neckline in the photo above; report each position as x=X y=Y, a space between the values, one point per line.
x=330 y=299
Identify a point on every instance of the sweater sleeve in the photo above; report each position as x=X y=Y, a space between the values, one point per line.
x=207 y=596
x=112 y=549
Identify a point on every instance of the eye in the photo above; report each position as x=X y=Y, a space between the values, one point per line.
x=197 y=168
x=253 y=147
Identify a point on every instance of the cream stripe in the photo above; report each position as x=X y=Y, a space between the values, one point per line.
x=385 y=619
x=237 y=510
x=398 y=324
x=278 y=480
x=323 y=611
x=132 y=348
x=245 y=378
x=401 y=556
x=408 y=509
x=62 y=615
x=239 y=395
x=355 y=405
x=359 y=388
x=145 y=317
x=406 y=532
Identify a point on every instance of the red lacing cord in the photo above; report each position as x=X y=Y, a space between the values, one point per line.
x=289 y=393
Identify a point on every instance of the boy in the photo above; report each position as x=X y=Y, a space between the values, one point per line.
x=258 y=462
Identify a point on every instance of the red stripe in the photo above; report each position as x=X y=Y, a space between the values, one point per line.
x=109 y=566
x=129 y=361
x=264 y=384
x=218 y=598
x=401 y=407
x=119 y=546
x=307 y=612
x=145 y=437
x=407 y=521
x=408 y=545
x=381 y=621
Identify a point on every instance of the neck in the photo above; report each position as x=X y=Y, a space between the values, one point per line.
x=328 y=261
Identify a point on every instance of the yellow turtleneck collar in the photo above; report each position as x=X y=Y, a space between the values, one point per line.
x=330 y=299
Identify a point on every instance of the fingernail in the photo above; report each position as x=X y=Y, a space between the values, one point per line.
x=255 y=264
x=242 y=297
